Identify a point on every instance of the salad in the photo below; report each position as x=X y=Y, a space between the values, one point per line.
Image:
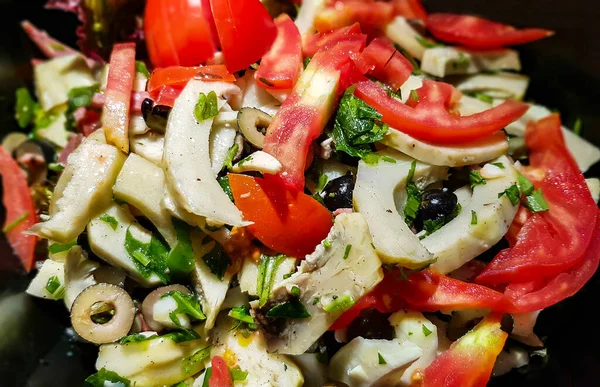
x=296 y=193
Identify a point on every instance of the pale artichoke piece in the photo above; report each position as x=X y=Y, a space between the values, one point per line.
x=83 y=191
x=314 y=371
x=254 y=96
x=49 y=269
x=56 y=132
x=141 y=184
x=137 y=125
x=149 y=145
x=79 y=274
x=187 y=157
x=414 y=327
x=156 y=362
x=403 y=34
x=413 y=82
x=248 y=276
x=454 y=155
x=250 y=355
x=594 y=187
x=380 y=195
x=368 y=362
x=222 y=138
x=459 y=241
x=500 y=85
x=258 y=162
x=306 y=15
x=349 y=268
x=55 y=77
x=107 y=241
x=211 y=290
x=442 y=61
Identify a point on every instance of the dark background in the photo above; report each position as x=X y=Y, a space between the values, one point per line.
x=37 y=350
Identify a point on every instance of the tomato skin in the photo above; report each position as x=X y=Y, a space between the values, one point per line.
x=438 y=125
x=243 y=23
x=553 y=241
x=469 y=360
x=410 y=9
x=220 y=376
x=177 y=76
x=287 y=222
x=371 y=16
x=18 y=201
x=476 y=32
x=312 y=44
x=386 y=64
x=179 y=32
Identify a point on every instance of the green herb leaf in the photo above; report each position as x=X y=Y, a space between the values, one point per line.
x=287 y=275
x=181 y=258
x=57 y=47
x=230 y=156
x=388 y=159
x=266 y=275
x=24 y=108
x=347 y=251
x=295 y=291
x=136 y=338
x=381 y=359
x=327 y=243
x=340 y=304
x=356 y=126
x=149 y=257
x=207 y=375
x=499 y=165
x=426 y=331
x=535 y=202
x=307 y=61
x=224 y=183
x=476 y=179
x=206 y=107
x=217 y=261
x=432 y=225
x=414 y=194
x=110 y=220
x=428 y=43
x=54 y=287
x=371 y=158
x=141 y=68
x=191 y=363
x=577 y=127
x=241 y=313
x=461 y=61
x=414 y=95
x=473 y=217
x=186 y=304
x=78 y=97
x=525 y=186
x=181 y=335
x=56 y=167
x=322 y=182
x=104 y=378
x=290 y=309
x=315 y=300
x=56 y=248
x=238 y=374
x=512 y=193
x=15 y=222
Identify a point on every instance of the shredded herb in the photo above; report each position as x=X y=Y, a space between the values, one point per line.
x=414 y=195
x=327 y=243
x=186 y=304
x=238 y=374
x=104 y=378
x=245 y=160
x=535 y=202
x=230 y=156
x=241 y=313
x=347 y=251
x=461 y=61
x=432 y=225
x=217 y=261
x=428 y=43
x=388 y=159
x=414 y=95
x=295 y=291
x=476 y=179
x=206 y=107
x=512 y=193
x=339 y=304
x=78 y=97
x=371 y=158
x=473 y=217
x=181 y=335
x=307 y=61
x=55 y=288
x=56 y=248
x=181 y=258
x=323 y=179
x=148 y=257
x=191 y=363
x=426 y=331
x=24 y=108
x=110 y=220
x=224 y=183
x=577 y=126
x=266 y=276
x=525 y=186
x=292 y=309
x=287 y=275
x=207 y=375
x=15 y=222
x=141 y=68
x=315 y=300
x=381 y=359
x=56 y=167
x=499 y=165
x=136 y=338
x=483 y=97
x=403 y=273
x=266 y=82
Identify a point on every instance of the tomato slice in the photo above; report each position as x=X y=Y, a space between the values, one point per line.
x=246 y=31
x=313 y=43
x=177 y=76
x=220 y=375
x=386 y=64
x=20 y=209
x=429 y=119
x=469 y=360
x=553 y=241
x=287 y=222
x=371 y=16
x=179 y=32
x=281 y=66
x=410 y=9
x=473 y=31
x=166 y=95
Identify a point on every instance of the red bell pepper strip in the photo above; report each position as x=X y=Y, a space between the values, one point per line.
x=372 y=16
x=476 y=32
x=313 y=43
x=20 y=210
x=177 y=76
x=304 y=114
x=385 y=63
x=429 y=119
x=115 y=115
x=553 y=241
x=410 y=9
x=289 y=223
x=220 y=375
x=469 y=360
x=281 y=66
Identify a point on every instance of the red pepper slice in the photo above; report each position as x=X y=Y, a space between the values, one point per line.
x=473 y=31
x=428 y=119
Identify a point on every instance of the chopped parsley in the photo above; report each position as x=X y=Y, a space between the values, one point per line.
x=266 y=275
x=381 y=359
x=241 y=313
x=432 y=225
x=206 y=107
x=224 y=183
x=55 y=288
x=190 y=364
x=525 y=186
x=56 y=248
x=461 y=61
x=245 y=160
x=15 y=222
x=426 y=331
x=78 y=97
x=577 y=126
x=535 y=202
x=228 y=163
x=327 y=243
x=428 y=43
x=105 y=378
x=181 y=335
x=295 y=291
x=238 y=374
x=186 y=304
x=473 y=217
x=24 y=108
x=339 y=304
x=181 y=257
x=315 y=300
x=414 y=95
x=141 y=68
x=56 y=167
x=413 y=201
x=136 y=338
x=217 y=261
x=483 y=97
x=499 y=165
x=388 y=159
x=347 y=251
x=476 y=179
x=292 y=309
x=512 y=193
x=307 y=61
x=110 y=220
x=148 y=257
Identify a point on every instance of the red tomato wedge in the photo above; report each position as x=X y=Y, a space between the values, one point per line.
x=177 y=76
x=220 y=375
x=553 y=241
x=469 y=360
x=410 y=9
x=473 y=31
x=179 y=32
x=281 y=66
x=304 y=114
x=372 y=16
x=115 y=115
x=246 y=31
x=385 y=63
x=20 y=209
x=426 y=291
x=287 y=222
x=429 y=120
x=313 y=43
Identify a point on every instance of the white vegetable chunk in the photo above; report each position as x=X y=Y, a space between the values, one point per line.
x=328 y=273
x=258 y=161
x=84 y=191
x=187 y=157
x=501 y=85
x=254 y=96
x=79 y=274
x=248 y=276
x=413 y=82
x=358 y=363
x=594 y=186
x=442 y=61
x=306 y=16
x=149 y=145
x=455 y=155
x=380 y=195
x=314 y=371
x=141 y=184
x=137 y=125
x=49 y=269
x=56 y=132
x=162 y=310
x=402 y=33
x=459 y=241
x=221 y=140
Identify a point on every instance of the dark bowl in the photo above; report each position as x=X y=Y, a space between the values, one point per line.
x=36 y=346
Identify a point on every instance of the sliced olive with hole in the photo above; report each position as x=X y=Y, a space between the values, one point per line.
x=253 y=123
x=102 y=313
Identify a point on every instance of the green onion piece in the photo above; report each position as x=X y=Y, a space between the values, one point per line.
x=112 y=222
x=381 y=359
x=327 y=243
x=340 y=304
x=56 y=167
x=141 y=68
x=426 y=331
x=347 y=251
x=56 y=248
x=476 y=179
x=241 y=313
x=266 y=275
x=291 y=309
x=473 y=217
x=15 y=222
